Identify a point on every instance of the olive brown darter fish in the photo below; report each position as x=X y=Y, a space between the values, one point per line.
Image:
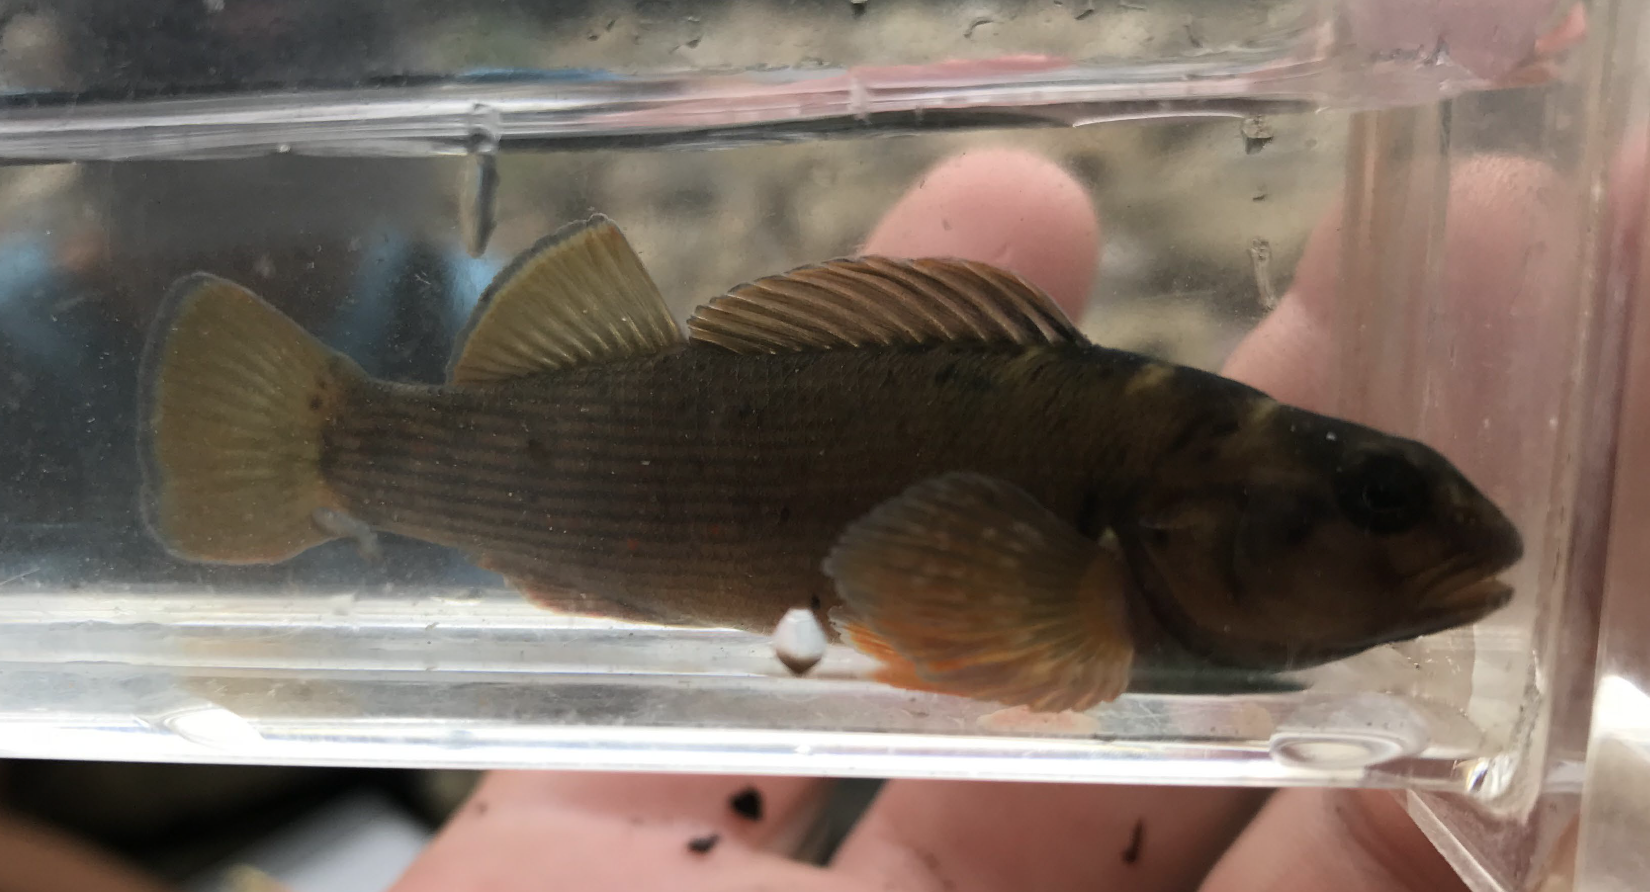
x=926 y=453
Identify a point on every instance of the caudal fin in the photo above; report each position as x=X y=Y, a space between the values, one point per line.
x=234 y=398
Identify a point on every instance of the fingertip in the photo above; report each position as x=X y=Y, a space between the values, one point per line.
x=1009 y=207
x=1350 y=840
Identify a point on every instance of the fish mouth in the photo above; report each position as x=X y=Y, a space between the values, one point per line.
x=1452 y=606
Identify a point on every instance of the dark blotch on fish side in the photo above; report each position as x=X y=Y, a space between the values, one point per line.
x=1137 y=840
x=700 y=845
x=1200 y=431
x=481 y=808
x=747 y=804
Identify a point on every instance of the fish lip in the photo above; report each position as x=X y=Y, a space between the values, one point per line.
x=1461 y=605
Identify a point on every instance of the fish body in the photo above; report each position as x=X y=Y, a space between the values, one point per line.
x=924 y=453
x=703 y=486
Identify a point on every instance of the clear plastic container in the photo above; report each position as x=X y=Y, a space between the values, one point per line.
x=1451 y=172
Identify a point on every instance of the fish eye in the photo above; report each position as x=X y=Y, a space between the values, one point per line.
x=1383 y=493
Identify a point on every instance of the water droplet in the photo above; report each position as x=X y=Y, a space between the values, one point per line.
x=1257 y=132
x=478 y=182
x=477 y=203
x=486 y=125
x=478 y=185
x=1260 y=259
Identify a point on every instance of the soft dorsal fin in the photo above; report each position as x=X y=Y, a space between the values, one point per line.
x=580 y=295
x=880 y=301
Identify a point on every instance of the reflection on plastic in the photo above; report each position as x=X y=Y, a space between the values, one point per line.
x=209 y=725
x=1357 y=732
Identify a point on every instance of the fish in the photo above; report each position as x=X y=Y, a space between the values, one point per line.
x=925 y=453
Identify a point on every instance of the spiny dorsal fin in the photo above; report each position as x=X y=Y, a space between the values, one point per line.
x=880 y=301
x=579 y=296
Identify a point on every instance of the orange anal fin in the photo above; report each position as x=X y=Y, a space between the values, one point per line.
x=895 y=670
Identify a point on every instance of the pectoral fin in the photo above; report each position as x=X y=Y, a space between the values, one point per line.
x=966 y=585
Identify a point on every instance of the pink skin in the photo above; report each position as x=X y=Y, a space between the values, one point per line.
x=1013 y=209
x=577 y=832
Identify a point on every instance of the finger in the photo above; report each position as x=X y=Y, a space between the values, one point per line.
x=37 y=859
x=1011 y=208
x=764 y=812
x=984 y=836
x=1346 y=840
x=588 y=825
x=537 y=843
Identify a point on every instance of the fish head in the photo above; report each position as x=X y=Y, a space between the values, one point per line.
x=1304 y=539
